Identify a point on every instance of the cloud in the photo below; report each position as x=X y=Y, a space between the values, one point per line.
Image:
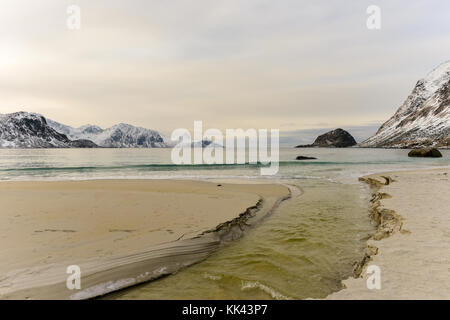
x=262 y=64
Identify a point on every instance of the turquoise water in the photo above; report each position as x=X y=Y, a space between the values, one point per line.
x=343 y=165
x=302 y=250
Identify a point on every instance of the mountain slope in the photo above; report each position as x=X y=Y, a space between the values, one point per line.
x=30 y=130
x=118 y=136
x=423 y=119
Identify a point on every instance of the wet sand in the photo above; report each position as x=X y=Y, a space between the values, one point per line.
x=412 y=244
x=119 y=232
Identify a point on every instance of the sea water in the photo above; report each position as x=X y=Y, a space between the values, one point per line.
x=303 y=250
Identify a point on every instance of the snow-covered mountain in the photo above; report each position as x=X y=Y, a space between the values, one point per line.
x=31 y=130
x=118 y=136
x=423 y=119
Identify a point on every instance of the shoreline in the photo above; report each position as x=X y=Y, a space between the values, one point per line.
x=387 y=221
x=390 y=247
x=102 y=275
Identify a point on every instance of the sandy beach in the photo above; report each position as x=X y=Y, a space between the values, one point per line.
x=412 y=244
x=119 y=232
x=124 y=232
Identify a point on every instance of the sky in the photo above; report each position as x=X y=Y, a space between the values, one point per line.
x=298 y=66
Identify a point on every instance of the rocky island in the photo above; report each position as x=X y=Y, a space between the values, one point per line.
x=425 y=153
x=338 y=138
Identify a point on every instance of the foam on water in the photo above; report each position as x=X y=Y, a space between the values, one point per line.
x=246 y=285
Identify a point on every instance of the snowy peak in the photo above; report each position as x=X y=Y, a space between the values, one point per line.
x=90 y=129
x=128 y=136
x=437 y=78
x=423 y=119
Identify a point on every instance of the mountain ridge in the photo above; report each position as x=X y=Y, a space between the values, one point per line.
x=121 y=135
x=33 y=130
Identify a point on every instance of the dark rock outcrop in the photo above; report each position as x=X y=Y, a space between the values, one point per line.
x=425 y=152
x=338 y=138
x=305 y=158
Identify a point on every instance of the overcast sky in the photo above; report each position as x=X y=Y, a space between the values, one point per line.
x=287 y=64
